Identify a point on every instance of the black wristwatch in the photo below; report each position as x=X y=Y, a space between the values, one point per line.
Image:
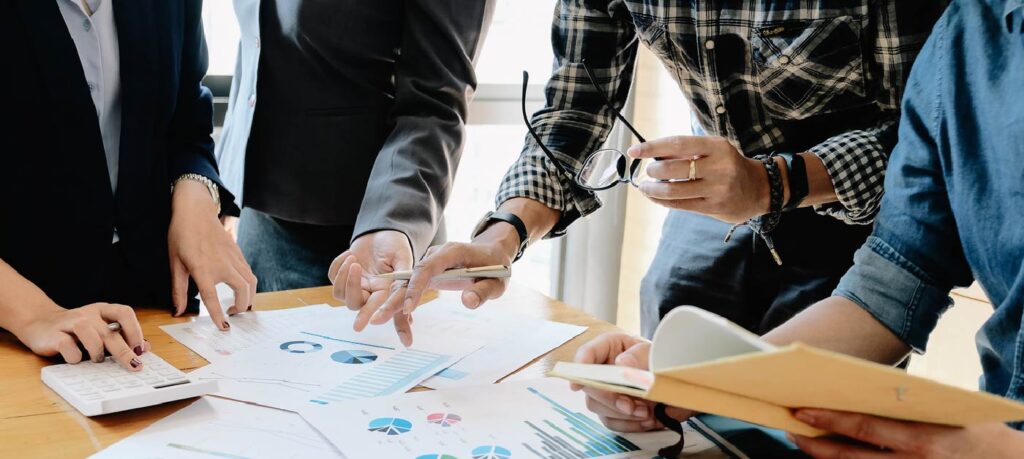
x=511 y=219
x=797 y=173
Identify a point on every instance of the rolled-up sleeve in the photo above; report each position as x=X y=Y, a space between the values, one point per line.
x=904 y=272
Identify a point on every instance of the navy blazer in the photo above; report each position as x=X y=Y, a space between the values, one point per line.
x=57 y=210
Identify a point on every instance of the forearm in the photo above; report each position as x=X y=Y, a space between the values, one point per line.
x=20 y=300
x=840 y=325
x=819 y=185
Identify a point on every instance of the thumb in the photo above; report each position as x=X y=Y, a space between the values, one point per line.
x=637 y=356
x=179 y=286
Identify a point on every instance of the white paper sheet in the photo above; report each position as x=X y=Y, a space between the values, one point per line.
x=326 y=362
x=215 y=427
x=539 y=418
x=513 y=340
x=247 y=328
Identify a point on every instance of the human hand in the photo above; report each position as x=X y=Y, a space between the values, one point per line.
x=199 y=247
x=872 y=437
x=231 y=226
x=617 y=411
x=728 y=186
x=353 y=275
x=59 y=330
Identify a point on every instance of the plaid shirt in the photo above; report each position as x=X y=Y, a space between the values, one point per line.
x=769 y=76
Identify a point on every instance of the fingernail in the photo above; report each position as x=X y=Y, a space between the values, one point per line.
x=640 y=411
x=806 y=416
x=647 y=424
x=407 y=307
x=624 y=406
x=633 y=150
x=226 y=325
x=250 y=308
x=472 y=300
x=627 y=360
x=403 y=336
x=138 y=350
x=135 y=363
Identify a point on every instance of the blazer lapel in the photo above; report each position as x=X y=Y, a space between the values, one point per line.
x=71 y=103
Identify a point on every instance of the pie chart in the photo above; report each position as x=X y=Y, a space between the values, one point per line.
x=444 y=419
x=436 y=456
x=301 y=347
x=390 y=426
x=491 y=452
x=354 y=357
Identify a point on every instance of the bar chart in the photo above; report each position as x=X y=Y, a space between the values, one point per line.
x=383 y=377
x=579 y=436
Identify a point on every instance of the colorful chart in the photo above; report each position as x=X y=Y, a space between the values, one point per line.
x=385 y=377
x=355 y=357
x=436 y=456
x=491 y=452
x=444 y=419
x=451 y=373
x=301 y=347
x=585 y=438
x=390 y=426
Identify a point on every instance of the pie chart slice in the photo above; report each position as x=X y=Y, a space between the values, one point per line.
x=354 y=357
x=390 y=426
x=301 y=347
x=436 y=456
x=491 y=452
x=444 y=419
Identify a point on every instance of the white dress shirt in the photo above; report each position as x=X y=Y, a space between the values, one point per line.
x=95 y=39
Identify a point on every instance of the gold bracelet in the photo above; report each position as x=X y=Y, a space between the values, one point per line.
x=212 y=187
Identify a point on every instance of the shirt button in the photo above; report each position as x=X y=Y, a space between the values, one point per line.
x=784 y=60
x=710 y=44
x=257 y=43
x=720 y=109
x=252 y=101
x=92 y=87
x=86 y=25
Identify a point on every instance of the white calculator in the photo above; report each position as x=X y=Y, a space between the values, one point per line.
x=101 y=388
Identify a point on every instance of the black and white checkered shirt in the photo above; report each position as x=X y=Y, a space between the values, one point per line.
x=769 y=75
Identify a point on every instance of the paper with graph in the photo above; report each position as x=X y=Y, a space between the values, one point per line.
x=327 y=362
x=531 y=419
x=214 y=427
x=513 y=340
x=248 y=328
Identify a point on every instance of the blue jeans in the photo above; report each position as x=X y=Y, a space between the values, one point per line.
x=739 y=280
x=287 y=255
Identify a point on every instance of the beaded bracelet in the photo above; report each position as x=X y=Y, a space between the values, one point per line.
x=763 y=225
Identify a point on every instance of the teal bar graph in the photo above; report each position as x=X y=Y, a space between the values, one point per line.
x=576 y=436
x=386 y=377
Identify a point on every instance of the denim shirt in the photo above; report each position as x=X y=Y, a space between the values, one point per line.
x=953 y=209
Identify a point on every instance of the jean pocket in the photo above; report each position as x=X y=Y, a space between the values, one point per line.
x=811 y=67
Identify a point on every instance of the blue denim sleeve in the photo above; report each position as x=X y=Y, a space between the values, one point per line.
x=904 y=272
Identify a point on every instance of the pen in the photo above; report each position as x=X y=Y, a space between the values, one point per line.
x=483 y=272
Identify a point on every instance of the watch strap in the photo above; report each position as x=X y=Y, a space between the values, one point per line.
x=510 y=218
x=797 y=177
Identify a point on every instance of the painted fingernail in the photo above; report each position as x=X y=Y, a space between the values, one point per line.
x=135 y=363
x=250 y=308
x=226 y=325
x=138 y=350
x=624 y=406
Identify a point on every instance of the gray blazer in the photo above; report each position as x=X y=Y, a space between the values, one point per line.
x=349 y=112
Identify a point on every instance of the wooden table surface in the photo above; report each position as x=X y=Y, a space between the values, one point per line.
x=36 y=422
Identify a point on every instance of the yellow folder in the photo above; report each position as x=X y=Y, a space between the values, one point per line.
x=705 y=363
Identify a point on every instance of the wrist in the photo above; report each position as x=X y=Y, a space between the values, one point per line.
x=190 y=194
x=502 y=236
x=784 y=173
x=763 y=197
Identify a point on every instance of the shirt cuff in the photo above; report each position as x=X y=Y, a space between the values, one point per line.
x=533 y=177
x=895 y=292
x=856 y=162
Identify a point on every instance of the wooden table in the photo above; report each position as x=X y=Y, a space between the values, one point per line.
x=36 y=422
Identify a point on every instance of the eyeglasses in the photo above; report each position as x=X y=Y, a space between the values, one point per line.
x=603 y=168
